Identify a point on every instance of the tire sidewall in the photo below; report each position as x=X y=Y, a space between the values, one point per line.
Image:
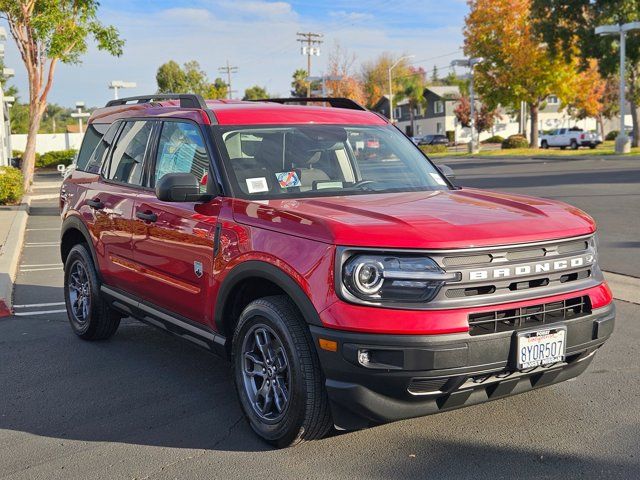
x=285 y=430
x=79 y=253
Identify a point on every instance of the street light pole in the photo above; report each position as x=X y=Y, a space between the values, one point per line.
x=623 y=145
x=116 y=84
x=470 y=63
x=391 y=84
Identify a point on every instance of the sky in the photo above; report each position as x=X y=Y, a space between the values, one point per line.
x=257 y=36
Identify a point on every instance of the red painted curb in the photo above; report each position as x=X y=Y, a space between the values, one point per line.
x=4 y=310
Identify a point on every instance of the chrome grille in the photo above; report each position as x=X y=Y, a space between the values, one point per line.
x=466 y=260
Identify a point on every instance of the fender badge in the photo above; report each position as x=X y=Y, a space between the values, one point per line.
x=197 y=269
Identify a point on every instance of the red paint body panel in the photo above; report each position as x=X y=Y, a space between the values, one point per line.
x=430 y=220
x=299 y=236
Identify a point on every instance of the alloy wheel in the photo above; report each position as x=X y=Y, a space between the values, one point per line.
x=266 y=373
x=79 y=293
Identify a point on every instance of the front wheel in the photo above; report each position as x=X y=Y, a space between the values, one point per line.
x=277 y=374
x=544 y=144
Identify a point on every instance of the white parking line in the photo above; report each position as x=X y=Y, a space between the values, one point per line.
x=43 y=312
x=36 y=245
x=42 y=229
x=38 y=265
x=40 y=269
x=33 y=305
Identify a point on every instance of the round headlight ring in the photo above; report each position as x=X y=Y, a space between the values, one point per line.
x=368 y=277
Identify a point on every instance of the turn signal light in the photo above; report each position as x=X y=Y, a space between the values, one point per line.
x=328 y=345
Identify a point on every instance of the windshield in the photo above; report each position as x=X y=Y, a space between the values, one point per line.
x=323 y=160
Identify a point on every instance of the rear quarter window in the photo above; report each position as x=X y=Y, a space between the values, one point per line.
x=91 y=139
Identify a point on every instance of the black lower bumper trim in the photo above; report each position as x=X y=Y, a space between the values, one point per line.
x=410 y=376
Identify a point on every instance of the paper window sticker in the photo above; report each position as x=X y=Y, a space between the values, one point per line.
x=438 y=179
x=257 y=185
x=288 y=179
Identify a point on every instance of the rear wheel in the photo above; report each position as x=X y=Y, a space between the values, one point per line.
x=277 y=374
x=90 y=316
x=574 y=145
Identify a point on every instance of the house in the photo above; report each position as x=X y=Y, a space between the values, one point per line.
x=438 y=117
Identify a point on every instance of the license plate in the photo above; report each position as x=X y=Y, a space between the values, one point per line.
x=541 y=347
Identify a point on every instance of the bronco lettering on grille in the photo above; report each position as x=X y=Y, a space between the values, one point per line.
x=532 y=268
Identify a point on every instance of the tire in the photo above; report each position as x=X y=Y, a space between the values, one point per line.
x=563 y=148
x=544 y=144
x=302 y=411
x=90 y=316
x=592 y=147
x=574 y=145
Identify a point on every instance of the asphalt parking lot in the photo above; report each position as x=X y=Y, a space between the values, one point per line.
x=146 y=405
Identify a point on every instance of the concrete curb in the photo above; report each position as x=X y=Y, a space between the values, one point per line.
x=624 y=287
x=10 y=258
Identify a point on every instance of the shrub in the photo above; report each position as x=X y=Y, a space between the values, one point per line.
x=52 y=159
x=515 y=141
x=10 y=185
x=494 y=139
x=433 y=148
x=612 y=135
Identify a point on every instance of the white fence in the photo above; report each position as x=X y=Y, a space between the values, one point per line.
x=48 y=142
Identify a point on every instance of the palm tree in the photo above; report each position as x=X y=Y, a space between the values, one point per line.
x=412 y=89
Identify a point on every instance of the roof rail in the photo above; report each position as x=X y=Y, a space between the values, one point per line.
x=335 y=102
x=187 y=100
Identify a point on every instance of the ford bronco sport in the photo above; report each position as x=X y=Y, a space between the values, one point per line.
x=347 y=279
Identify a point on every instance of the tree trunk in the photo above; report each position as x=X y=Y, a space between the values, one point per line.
x=600 y=121
x=533 y=108
x=411 y=121
x=29 y=157
x=635 y=117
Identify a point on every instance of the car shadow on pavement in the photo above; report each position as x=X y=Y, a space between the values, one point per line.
x=142 y=386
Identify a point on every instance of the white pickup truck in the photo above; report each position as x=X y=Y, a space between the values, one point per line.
x=573 y=138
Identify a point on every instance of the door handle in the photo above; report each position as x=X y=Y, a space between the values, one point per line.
x=147 y=216
x=96 y=204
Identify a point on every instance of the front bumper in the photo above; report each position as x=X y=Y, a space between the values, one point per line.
x=416 y=375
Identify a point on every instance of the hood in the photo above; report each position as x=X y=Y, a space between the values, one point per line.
x=464 y=218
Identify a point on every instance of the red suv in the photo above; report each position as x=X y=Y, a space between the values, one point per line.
x=345 y=276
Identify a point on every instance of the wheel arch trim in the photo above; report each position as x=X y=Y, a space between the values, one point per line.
x=263 y=270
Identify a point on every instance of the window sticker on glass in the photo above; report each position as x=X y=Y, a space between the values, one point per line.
x=288 y=179
x=256 y=185
x=438 y=179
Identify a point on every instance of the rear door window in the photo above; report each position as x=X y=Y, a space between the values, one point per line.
x=127 y=160
x=99 y=154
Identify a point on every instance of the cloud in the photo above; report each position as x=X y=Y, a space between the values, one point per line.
x=257 y=36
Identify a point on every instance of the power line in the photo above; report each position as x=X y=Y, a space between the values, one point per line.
x=228 y=70
x=310 y=46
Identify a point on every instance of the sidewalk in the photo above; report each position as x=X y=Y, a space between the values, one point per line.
x=13 y=223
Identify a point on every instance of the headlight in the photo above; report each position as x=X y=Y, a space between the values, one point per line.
x=374 y=278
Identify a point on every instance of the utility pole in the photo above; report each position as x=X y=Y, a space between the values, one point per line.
x=228 y=70
x=79 y=114
x=310 y=46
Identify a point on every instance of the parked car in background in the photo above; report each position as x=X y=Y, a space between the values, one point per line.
x=434 y=140
x=573 y=138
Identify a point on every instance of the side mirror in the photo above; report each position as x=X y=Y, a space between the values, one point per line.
x=180 y=187
x=448 y=172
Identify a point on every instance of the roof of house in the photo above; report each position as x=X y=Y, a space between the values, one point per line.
x=447 y=91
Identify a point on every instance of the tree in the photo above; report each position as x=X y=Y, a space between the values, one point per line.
x=255 y=93
x=217 y=89
x=171 y=78
x=340 y=64
x=590 y=89
x=435 y=78
x=484 y=116
x=518 y=66
x=48 y=32
x=299 y=83
x=375 y=77
x=413 y=85
x=568 y=26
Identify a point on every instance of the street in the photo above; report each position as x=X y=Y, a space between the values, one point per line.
x=147 y=405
